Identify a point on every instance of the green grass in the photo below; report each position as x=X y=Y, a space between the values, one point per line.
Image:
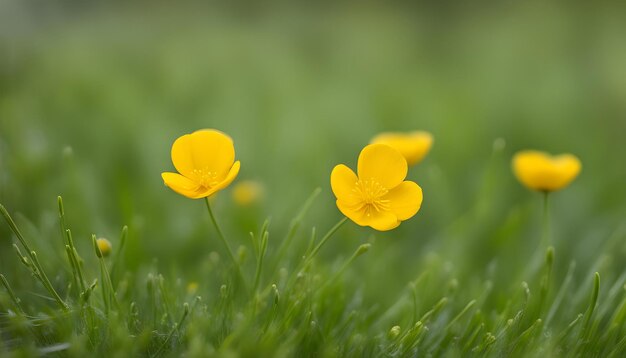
x=307 y=307
x=91 y=99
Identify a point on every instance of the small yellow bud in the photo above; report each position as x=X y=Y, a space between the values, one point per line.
x=192 y=287
x=105 y=246
x=247 y=192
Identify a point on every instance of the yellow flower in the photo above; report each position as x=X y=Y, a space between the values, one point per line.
x=413 y=146
x=104 y=246
x=205 y=160
x=247 y=192
x=543 y=172
x=379 y=197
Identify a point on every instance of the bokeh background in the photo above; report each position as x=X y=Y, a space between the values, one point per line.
x=92 y=95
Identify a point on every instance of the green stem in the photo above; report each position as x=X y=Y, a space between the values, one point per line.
x=545 y=240
x=308 y=257
x=262 y=251
x=223 y=239
x=328 y=235
x=33 y=256
x=174 y=329
x=76 y=260
x=16 y=300
x=46 y=282
x=293 y=229
x=358 y=252
x=118 y=253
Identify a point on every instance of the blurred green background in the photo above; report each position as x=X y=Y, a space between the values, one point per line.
x=93 y=95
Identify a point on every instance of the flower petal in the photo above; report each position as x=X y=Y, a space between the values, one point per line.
x=383 y=164
x=413 y=146
x=181 y=184
x=208 y=150
x=569 y=167
x=405 y=199
x=352 y=212
x=181 y=155
x=379 y=220
x=232 y=174
x=342 y=182
x=383 y=221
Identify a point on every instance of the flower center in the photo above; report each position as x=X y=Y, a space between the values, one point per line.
x=370 y=193
x=205 y=177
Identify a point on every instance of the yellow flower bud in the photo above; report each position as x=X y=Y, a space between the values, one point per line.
x=104 y=246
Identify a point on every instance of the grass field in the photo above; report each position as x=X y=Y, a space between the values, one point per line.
x=92 y=97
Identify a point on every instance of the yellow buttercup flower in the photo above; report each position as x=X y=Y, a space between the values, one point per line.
x=543 y=172
x=413 y=145
x=378 y=197
x=205 y=160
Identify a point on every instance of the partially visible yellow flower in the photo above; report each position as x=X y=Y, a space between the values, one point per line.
x=413 y=145
x=104 y=246
x=205 y=160
x=543 y=172
x=247 y=192
x=378 y=197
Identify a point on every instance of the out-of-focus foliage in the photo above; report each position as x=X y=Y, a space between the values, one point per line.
x=92 y=96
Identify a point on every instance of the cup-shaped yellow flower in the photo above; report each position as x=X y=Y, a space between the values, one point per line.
x=542 y=172
x=379 y=196
x=413 y=145
x=205 y=161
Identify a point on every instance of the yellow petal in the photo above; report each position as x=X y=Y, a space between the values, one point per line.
x=204 y=152
x=540 y=171
x=204 y=192
x=379 y=220
x=413 y=146
x=383 y=164
x=342 y=181
x=181 y=185
x=405 y=200
x=232 y=174
x=352 y=212
x=383 y=220
x=181 y=155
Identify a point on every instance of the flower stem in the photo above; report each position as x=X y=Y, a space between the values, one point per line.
x=545 y=240
x=293 y=228
x=16 y=300
x=358 y=252
x=328 y=235
x=230 y=251
x=174 y=329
